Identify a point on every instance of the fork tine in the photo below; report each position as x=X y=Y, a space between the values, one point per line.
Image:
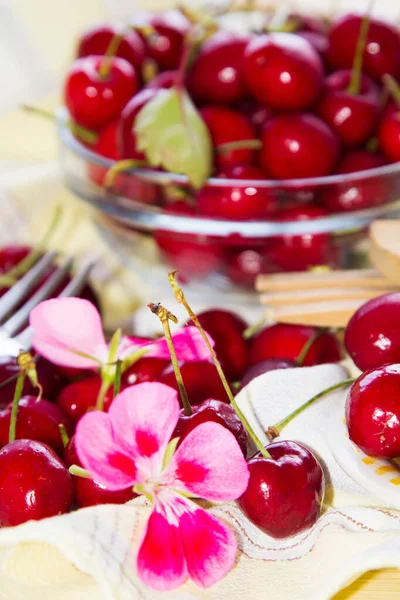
x=21 y=316
x=18 y=291
x=74 y=287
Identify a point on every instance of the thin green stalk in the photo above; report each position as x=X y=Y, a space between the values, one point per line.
x=356 y=72
x=79 y=472
x=304 y=351
x=15 y=402
x=64 y=434
x=180 y=297
x=79 y=131
x=253 y=329
x=105 y=385
x=238 y=145
x=117 y=380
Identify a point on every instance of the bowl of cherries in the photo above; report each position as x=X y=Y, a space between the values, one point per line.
x=234 y=145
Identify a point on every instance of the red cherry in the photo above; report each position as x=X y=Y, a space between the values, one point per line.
x=308 y=23
x=237 y=202
x=371 y=337
x=258 y=114
x=352 y=116
x=265 y=366
x=106 y=144
x=217 y=73
x=93 y=101
x=287 y=341
x=225 y=126
x=285 y=493
x=34 y=483
x=297 y=146
x=216 y=411
x=87 y=491
x=11 y=255
x=201 y=381
x=317 y=40
x=389 y=133
x=36 y=420
x=147 y=368
x=358 y=194
x=373 y=412
x=283 y=70
x=165 y=45
x=226 y=328
x=382 y=50
x=163 y=81
x=243 y=265
x=299 y=252
x=126 y=138
x=96 y=40
x=76 y=398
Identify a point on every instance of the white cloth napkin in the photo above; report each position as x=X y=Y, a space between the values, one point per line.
x=91 y=553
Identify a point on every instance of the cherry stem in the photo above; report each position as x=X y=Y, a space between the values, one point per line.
x=83 y=133
x=111 y=51
x=253 y=329
x=180 y=297
x=120 y=167
x=356 y=71
x=117 y=380
x=105 y=385
x=165 y=317
x=276 y=429
x=304 y=351
x=79 y=472
x=372 y=145
x=239 y=145
x=64 y=434
x=390 y=84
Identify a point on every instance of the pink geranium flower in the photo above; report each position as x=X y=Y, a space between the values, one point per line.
x=68 y=332
x=130 y=446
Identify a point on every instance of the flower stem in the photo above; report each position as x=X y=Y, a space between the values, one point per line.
x=14 y=411
x=117 y=380
x=356 y=71
x=105 y=385
x=276 y=429
x=64 y=434
x=165 y=316
x=180 y=297
x=305 y=349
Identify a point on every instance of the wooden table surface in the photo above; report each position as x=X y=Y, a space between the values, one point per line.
x=374 y=585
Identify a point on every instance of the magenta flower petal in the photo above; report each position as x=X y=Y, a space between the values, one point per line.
x=208 y=464
x=144 y=417
x=99 y=453
x=210 y=546
x=161 y=561
x=62 y=325
x=188 y=343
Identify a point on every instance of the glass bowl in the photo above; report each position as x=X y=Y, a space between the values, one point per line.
x=149 y=217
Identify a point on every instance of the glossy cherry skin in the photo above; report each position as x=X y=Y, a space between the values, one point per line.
x=283 y=71
x=34 y=483
x=243 y=265
x=373 y=411
x=372 y=338
x=299 y=252
x=126 y=138
x=93 y=101
x=265 y=366
x=36 y=420
x=285 y=492
x=358 y=194
x=237 y=202
x=147 y=368
x=389 y=133
x=216 y=411
x=286 y=341
x=166 y=43
x=353 y=117
x=226 y=329
x=106 y=144
x=217 y=73
x=297 y=146
x=317 y=40
x=201 y=381
x=76 y=398
x=96 y=40
x=258 y=114
x=382 y=50
x=163 y=81
x=87 y=491
x=225 y=126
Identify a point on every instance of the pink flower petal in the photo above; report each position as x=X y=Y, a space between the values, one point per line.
x=188 y=343
x=144 y=417
x=161 y=562
x=100 y=454
x=64 y=324
x=210 y=546
x=208 y=464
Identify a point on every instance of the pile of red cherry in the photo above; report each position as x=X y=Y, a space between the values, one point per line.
x=297 y=103
x=34 y=477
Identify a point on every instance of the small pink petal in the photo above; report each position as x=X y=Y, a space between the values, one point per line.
x=161 y=562
x=210 y=546
x=208 y=464
x=144 y=417
x=101 y=455
x=188 y=343
x=62 y=325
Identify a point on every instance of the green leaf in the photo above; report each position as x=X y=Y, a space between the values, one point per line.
x=172 y=135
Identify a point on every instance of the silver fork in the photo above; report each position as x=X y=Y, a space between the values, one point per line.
x=11 y=343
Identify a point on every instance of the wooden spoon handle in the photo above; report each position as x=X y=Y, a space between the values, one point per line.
x=355 y=278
